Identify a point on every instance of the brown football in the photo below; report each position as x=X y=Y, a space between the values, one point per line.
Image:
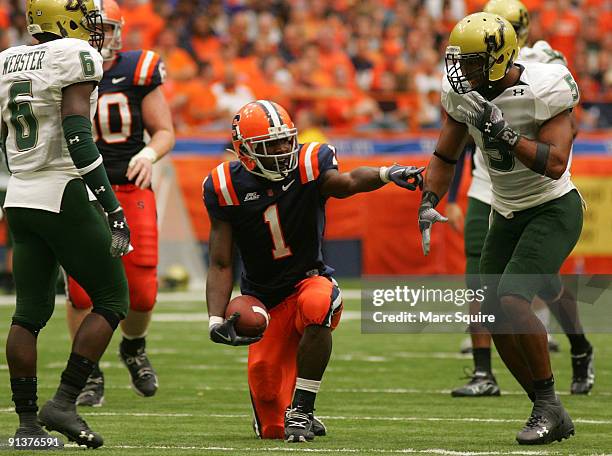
x=254 y=317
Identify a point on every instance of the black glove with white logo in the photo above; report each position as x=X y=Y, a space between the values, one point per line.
x=120 y=233
x=225 y=333
x=427 y=217
x=408 y=177
x=488 y=118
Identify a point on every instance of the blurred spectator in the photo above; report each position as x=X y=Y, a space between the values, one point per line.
x=231 y=96
x=344 y=64
x=179 y=64
x=562 y=25
x=142 y=24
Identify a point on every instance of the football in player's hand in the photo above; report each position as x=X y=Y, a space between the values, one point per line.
x=253 y=319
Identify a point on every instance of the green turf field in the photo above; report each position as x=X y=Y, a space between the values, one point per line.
x=382 y=394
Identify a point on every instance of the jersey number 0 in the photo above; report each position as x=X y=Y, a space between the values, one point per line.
x=105 y=102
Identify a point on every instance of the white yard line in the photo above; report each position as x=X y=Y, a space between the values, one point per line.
x=182 y=296
x=302 y=449
x=327 y=417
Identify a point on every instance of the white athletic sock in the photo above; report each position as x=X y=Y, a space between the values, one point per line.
x=308 y=385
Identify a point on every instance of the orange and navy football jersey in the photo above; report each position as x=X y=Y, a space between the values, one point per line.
x=277 y=226
x=118 y=123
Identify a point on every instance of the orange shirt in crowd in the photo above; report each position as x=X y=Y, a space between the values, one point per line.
x=144 y=21
x=5 y=18
x=179 y=64
x=200 y=105
x=563 y=29
x=205 y=48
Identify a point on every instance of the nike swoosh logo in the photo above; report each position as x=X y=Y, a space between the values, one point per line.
x=118 y=80
x=285 y=187
x=224 y=337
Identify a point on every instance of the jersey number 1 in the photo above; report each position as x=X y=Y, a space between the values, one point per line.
x=280 y=250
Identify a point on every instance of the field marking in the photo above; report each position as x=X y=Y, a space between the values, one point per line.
x=302 y=449
x=326 y=417
x=186 y=296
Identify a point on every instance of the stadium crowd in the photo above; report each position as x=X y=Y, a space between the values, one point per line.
x=347 y=64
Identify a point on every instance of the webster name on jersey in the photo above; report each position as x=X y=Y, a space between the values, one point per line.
x=543 y=91
x=30 y=61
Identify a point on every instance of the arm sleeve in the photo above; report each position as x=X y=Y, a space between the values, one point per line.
x=211 y=201
x=88 y=161
x=456 y=183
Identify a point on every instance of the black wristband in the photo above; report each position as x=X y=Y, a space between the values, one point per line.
x=430 y=199
x=541 y=158
x=447 y=160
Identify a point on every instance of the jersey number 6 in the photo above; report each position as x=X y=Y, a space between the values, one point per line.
x=280 y=250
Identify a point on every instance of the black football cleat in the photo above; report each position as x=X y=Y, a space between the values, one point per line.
x=67 y=422
x=547 y=423
x=298 y=425
x=318 y=427
x=35 y=438
x=93 y=392
x=583 y=372
x=142 y=376
x=481 y=384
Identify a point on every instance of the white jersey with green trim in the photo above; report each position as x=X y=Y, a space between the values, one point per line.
x=480 y=187
x=31 y=98
x=543 y=91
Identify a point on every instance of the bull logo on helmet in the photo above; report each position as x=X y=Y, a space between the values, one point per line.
x=74 y=5
x=495 y=42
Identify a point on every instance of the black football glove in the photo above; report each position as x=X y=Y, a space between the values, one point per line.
x=408 y=177
x=120 y=233
x=225 y=333
x=488 y=118
x=427 y=217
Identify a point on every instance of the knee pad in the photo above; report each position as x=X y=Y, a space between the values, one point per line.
x=34 y=329
x=318 y=303
x=111 y=317
x=265 y=381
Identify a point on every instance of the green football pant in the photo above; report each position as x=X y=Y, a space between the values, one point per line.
x=522 y=255
x=78 y=239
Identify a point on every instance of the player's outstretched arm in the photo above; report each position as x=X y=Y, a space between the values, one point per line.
x=157 y=120
x=440 y=172
x=367 y=179
x=88 y=161
x=219 y=286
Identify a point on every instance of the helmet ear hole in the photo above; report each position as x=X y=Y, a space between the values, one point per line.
x=500 y=59
x=73 y=25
